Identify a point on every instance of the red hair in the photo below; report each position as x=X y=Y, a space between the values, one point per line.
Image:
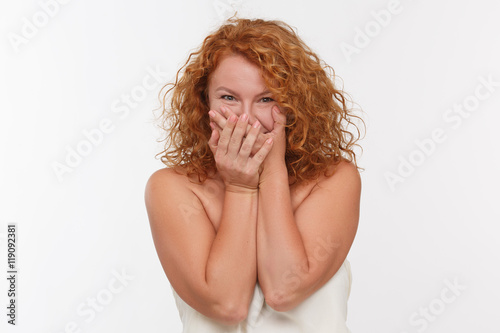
x=317 y=113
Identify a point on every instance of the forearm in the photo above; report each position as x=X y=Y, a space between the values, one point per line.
x=231 y=271
x=280 y=249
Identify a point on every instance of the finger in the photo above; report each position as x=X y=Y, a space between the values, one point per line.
x=222 y=147
x=212 y=143
x=279 y=119
x=214 y=126
x=249 y=141
x=259 y=142
x=237 y=136
x=218 y=118
x=257 y=159
x=226 y=112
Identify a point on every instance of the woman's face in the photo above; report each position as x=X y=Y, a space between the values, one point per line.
x=238 y=84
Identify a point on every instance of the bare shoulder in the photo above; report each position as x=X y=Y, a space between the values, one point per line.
x=165 y=179
x=344 y=175
x=167 y=173
x=164 y=188
x=183 y=236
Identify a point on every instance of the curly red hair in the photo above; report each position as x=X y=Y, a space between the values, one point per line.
x=317 y=113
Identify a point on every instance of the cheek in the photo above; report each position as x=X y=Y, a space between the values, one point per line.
x=266 y=120
x=214 y=104
x=233 y=107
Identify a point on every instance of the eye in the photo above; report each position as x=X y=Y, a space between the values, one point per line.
x=267 y=99
x=228 y=97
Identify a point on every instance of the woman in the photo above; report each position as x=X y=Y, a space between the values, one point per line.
x=256 y=212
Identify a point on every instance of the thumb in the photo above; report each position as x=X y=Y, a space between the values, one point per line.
x=279 y=119
x=213 y=142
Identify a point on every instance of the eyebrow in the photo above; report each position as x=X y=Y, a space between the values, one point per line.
x=265 y=92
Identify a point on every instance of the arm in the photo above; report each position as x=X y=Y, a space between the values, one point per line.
x=215 y=273
x=298 y=253
x=203 y=267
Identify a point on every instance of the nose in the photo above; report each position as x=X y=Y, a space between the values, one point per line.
x=247 y=109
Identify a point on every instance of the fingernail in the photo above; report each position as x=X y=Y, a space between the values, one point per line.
x=244 y=117
x=256 y=124
x=211 y=113
x=233 y=118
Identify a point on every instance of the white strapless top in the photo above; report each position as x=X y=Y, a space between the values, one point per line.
x=322 y=312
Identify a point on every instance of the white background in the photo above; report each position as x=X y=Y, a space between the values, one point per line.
x=438 y=223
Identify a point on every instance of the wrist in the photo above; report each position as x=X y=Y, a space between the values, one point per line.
x=242 y=189
x=276 y=172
